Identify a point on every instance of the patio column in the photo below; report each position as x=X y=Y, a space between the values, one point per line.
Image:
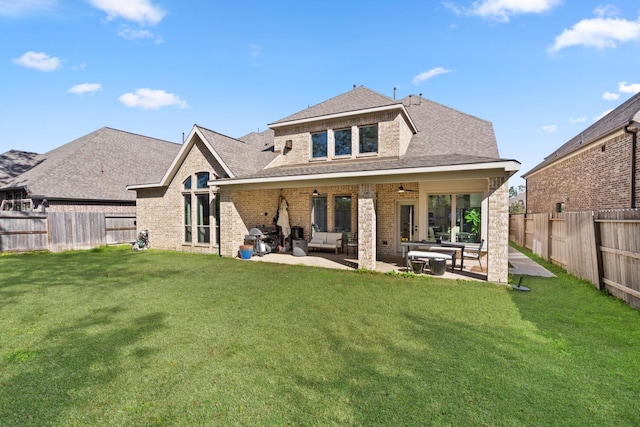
x=498 y=231
x=367 y=227
x=231 y=226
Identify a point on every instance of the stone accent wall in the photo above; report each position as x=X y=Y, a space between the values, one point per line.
x=393 y=137
x=498 y=231
x=367 y=227
x=597 y=178
x=161 y=210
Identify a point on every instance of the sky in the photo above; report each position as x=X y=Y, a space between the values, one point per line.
x=540 y=70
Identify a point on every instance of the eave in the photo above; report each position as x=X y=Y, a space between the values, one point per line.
x=389 y=175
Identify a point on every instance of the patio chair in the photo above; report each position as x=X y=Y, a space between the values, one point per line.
x=474 y=253
x=352 y=243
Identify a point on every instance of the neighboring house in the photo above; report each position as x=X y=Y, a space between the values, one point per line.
x=595 y=170
x=385 y=170
x=90 y=174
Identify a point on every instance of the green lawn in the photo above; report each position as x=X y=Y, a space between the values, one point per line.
x=121 y=338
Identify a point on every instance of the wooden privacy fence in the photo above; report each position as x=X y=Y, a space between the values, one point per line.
x=601 y=247
x=59 y=231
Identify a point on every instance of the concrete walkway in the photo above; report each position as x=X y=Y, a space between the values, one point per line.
x=524 y=265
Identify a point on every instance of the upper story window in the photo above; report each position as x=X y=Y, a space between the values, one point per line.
x=203 y=178
x=342 y=145
x=368 y=139
x=319 y=144
x=187 y=184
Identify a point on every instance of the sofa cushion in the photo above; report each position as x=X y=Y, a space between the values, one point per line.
x=318 y=238
x=332 y=238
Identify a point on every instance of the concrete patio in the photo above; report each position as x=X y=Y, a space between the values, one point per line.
x=384 y=264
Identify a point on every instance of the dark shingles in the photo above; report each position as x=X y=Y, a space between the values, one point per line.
x=373 y=165
x=445 y=131
x=99 y=166
x=243 y=156
x=360 y=98
x=16 y=162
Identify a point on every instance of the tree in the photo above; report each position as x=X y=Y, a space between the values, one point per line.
x=514 y=191
x=516 y=208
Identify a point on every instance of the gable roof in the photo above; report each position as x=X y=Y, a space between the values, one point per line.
x=623 y=115
x=16 y=162
x=237 y=157
x=98 y=166
x=360 y=100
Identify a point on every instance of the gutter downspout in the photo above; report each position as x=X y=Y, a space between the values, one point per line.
x=634 y=143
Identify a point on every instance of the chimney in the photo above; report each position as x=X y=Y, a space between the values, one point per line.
x=410 y=100
x=354 y=86
x=394 y=92
x=420 y=100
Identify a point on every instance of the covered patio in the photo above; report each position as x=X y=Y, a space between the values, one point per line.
x=384 y=264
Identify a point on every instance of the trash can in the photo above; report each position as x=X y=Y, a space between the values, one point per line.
x=437 y=266
x=300 y=248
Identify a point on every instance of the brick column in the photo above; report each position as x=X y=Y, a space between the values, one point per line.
x=367 y=227
x=231 y=226
x=498 y=232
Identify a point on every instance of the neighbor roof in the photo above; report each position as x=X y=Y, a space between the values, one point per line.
x=98 y=166
x=627 y=112
x=16 y=162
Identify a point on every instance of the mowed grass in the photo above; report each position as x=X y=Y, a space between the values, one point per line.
x=120 y=338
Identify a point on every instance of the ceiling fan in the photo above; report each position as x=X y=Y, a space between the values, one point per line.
x=401 y=189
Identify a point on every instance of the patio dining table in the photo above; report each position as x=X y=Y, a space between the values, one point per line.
x=447 y=248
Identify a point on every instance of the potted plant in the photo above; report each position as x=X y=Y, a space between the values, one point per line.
x=473 y=216
x=246 y=251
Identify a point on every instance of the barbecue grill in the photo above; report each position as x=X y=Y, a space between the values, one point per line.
x=262 y=240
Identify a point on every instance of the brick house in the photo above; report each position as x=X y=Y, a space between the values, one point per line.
x=595 y=170
x=384 y=170
x=88 y=174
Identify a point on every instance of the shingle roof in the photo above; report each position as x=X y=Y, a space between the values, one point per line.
x=98 y=166
x=616 y=119
x=243 y=156
x=373 y=165
x=16 y=162
x=445 y=137
x=445 y=131
x=360 y=98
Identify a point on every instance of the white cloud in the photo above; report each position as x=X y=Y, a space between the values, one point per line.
x=502 y=10
x=39 y=61
x=606 y=10
x=85 y=88
x=19 y=7
x=429 y=74
x=550 y=128
x=601 y=32
x=629 y=88
x=131 y=34
x=610 y=96
x=578 y=120
x=151 y=99
x=595 y=119
x=141 y=11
